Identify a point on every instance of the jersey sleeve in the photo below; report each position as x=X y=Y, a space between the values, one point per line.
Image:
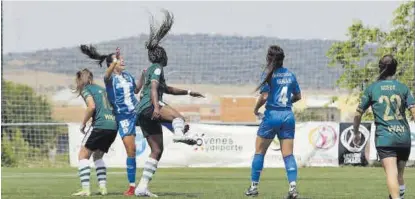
x=365 y=101
x=410 y=101
x=156 y=74
x=85 y=93
x=296 y=89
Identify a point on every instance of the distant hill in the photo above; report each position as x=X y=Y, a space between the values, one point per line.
x=196 y=59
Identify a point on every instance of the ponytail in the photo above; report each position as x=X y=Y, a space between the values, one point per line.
x=155 y=35
x=156 y=53
x=92 y=53
x=267 y=78
x=275 y=59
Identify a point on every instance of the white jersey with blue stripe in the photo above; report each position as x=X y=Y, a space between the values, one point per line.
x=120 y=89
x=282 y=86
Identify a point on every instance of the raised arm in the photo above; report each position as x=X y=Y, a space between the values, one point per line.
x=140 y=83
x=110 y=69
x=112 y=66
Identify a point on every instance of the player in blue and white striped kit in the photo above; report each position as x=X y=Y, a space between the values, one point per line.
x=121 y=87
x=279 y=89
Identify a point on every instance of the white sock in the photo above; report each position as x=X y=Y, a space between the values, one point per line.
x=292 y=186
x=150 y=168
x=101 y=170
x=402 y=190
x=84 y=173
x=178 y=126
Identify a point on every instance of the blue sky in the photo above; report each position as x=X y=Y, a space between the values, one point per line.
x=34 y=25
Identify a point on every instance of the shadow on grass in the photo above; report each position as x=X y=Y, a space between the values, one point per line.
x=183 y=195
x=173 y=194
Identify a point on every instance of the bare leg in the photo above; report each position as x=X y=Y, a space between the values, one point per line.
x=391 y=169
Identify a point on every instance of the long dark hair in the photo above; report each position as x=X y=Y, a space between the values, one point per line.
x=92 y=53
x=156 y=53
x=275 y=58
x=387 y=67
x=84 y=77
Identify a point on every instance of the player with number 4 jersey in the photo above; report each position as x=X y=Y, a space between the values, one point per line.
x=283 y=90
x=389 y=100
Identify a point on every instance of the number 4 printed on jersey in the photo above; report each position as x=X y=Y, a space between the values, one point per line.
x=283 y=96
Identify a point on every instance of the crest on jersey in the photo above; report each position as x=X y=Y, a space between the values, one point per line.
x=157 y=71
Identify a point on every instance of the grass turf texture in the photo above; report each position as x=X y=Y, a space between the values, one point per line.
x=315 y=183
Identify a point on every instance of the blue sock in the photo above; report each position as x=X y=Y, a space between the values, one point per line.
x=291 y=168
x=168 y=126
x=257 y=165
x=131 y=170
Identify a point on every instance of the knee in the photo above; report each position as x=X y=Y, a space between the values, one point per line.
x=286 y=153
x=130 y=151
x=260 y=151
x=157 y=152
x=84 y=154
x=178 y=117
x=97 y=155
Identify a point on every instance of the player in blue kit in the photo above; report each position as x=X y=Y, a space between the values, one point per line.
x=283 y=90
x=121 y=87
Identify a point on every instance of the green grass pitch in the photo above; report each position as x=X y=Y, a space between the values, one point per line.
x=229 y=183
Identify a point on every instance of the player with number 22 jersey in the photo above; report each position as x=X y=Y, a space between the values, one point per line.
x=389 y=100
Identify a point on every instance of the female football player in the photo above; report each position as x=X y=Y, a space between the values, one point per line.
x=120 y=86
x=152 y=110
x=98 y=141
x=278 y=119
x=389 y=99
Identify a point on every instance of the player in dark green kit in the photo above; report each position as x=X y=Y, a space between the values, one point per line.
x=152 y=110
x=98 y=141
x=389 y=99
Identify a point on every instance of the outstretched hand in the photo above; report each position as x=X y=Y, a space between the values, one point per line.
x=117 y=52
x=196 y=94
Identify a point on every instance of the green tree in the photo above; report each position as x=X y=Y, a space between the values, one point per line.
x=20 y=104
x=359 y=55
